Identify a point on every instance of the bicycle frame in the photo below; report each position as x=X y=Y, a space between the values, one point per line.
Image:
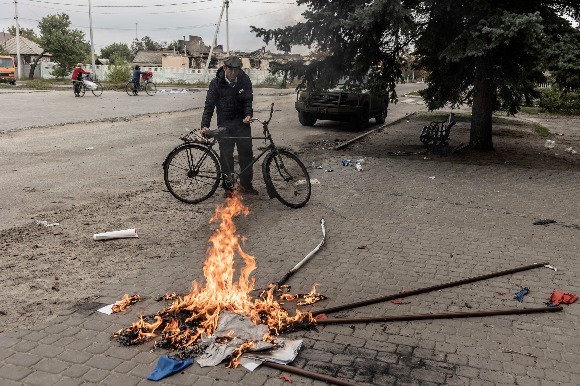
x=267 y=137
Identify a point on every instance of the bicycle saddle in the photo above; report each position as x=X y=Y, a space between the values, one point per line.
x=215 y=133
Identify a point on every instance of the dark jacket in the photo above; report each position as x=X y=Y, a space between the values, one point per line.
x=137 y=75
x=232 y=102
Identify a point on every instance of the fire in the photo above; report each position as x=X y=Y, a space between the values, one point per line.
x=124 y=303
x=195 y=315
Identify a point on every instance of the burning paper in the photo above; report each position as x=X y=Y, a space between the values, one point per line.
x=199 y=323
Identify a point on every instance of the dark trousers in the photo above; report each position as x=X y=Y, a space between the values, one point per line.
x=236 y=130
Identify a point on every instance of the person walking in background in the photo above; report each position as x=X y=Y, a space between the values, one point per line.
x=230 y=94
x=77 y=78
x=137 y=78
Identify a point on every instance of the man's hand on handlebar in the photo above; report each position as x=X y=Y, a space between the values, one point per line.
x=248 y=119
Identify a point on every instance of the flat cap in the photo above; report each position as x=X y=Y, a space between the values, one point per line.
x=233 y=62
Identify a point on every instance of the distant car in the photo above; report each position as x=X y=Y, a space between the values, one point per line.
x=340 y=105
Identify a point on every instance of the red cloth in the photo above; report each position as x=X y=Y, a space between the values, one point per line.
x=559 y=297
x=146 y=75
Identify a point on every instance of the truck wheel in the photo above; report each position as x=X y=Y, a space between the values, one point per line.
x=380 y=119
x=306 y=119
x=361 y=121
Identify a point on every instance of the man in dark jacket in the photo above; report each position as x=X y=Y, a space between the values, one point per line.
x=230 y=94
x=137 y=78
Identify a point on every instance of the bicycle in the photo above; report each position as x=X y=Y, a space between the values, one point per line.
x=192 y=170
x=146 y=85
x=87 y=83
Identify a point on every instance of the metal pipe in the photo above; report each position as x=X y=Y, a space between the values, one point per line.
x=305 y=259
x=449 y=315
x=425 y=290
x=310 y=374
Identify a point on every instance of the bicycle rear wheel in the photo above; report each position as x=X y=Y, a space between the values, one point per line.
x=99 y=90
x=286 y=177
x=129 y=87
x=150 y=88
x=192 y=172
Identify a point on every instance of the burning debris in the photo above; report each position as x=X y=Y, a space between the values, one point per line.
x=200 y=323
x=125 y=303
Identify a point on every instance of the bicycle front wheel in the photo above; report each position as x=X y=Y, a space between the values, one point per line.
x=150 y=88
x=192 y=173
x=129 y=87
x=99 y=90
x=286 y=177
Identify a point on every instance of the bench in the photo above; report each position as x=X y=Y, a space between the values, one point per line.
x=436 y=134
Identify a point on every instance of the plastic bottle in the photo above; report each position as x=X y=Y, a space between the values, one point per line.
x=359 y=167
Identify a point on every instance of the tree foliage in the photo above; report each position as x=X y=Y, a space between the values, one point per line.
x=28 y=33
x=486 y=53
x=67 y=46
x=146 y=44
x=117 y=53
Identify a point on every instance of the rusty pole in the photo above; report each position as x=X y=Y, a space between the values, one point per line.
x=449 y=315
x=310 y=374
x=425 y=290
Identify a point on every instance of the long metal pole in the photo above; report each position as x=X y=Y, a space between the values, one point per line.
x=18 y=71
x=424 y=290
x=450 y=315
x=227 y=27
x=289 y=274
x=310 y=374
x=217 y=28
x=92 y=42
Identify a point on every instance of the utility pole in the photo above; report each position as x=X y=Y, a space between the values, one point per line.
x=227 y=27
x=217 y=28
x=92 y=42
x=18 y=71
x=136 y=36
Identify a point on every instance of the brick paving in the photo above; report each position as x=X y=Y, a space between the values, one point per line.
x=389 y=228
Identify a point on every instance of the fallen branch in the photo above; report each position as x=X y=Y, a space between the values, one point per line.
x=289 y=274
x=310 y=374
x=449 y=315
x=425 y=290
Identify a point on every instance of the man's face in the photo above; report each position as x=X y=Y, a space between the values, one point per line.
x=231 y=73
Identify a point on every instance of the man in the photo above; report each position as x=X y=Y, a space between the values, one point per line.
x=137 y=78
x=77 y=78
x=230 y=94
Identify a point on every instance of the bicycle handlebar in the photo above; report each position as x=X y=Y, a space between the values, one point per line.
x=265 y=123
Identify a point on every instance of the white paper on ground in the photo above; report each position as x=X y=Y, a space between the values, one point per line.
x=123 y=234
x=106 y=309
x=229 y=324
x=283 y=355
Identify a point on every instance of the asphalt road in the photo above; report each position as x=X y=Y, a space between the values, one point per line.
x=59 y=151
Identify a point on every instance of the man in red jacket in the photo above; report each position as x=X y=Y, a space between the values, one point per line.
x=77 y=78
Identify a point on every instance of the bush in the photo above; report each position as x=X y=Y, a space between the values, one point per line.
x=119 y=73
x=555 y=101
x=271 y=81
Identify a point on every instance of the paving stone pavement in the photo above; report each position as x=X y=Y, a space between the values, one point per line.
x=391 y=227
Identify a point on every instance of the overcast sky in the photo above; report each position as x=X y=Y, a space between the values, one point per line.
x=120 y=21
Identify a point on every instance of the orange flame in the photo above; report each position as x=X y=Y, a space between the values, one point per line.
x=221 y=292
x=124 y=303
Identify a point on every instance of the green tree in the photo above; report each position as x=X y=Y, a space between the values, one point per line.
x=67 y=46
x=485 y=53
x=352 y=38
x=28 y=33
x=117 y=53
x=564 y=61
x=146 y=44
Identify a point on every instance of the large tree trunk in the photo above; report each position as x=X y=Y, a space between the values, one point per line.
x=34 y=64
x=482 y=109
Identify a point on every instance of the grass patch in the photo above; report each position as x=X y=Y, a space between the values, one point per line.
x=530 y=110
x=542 y=131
